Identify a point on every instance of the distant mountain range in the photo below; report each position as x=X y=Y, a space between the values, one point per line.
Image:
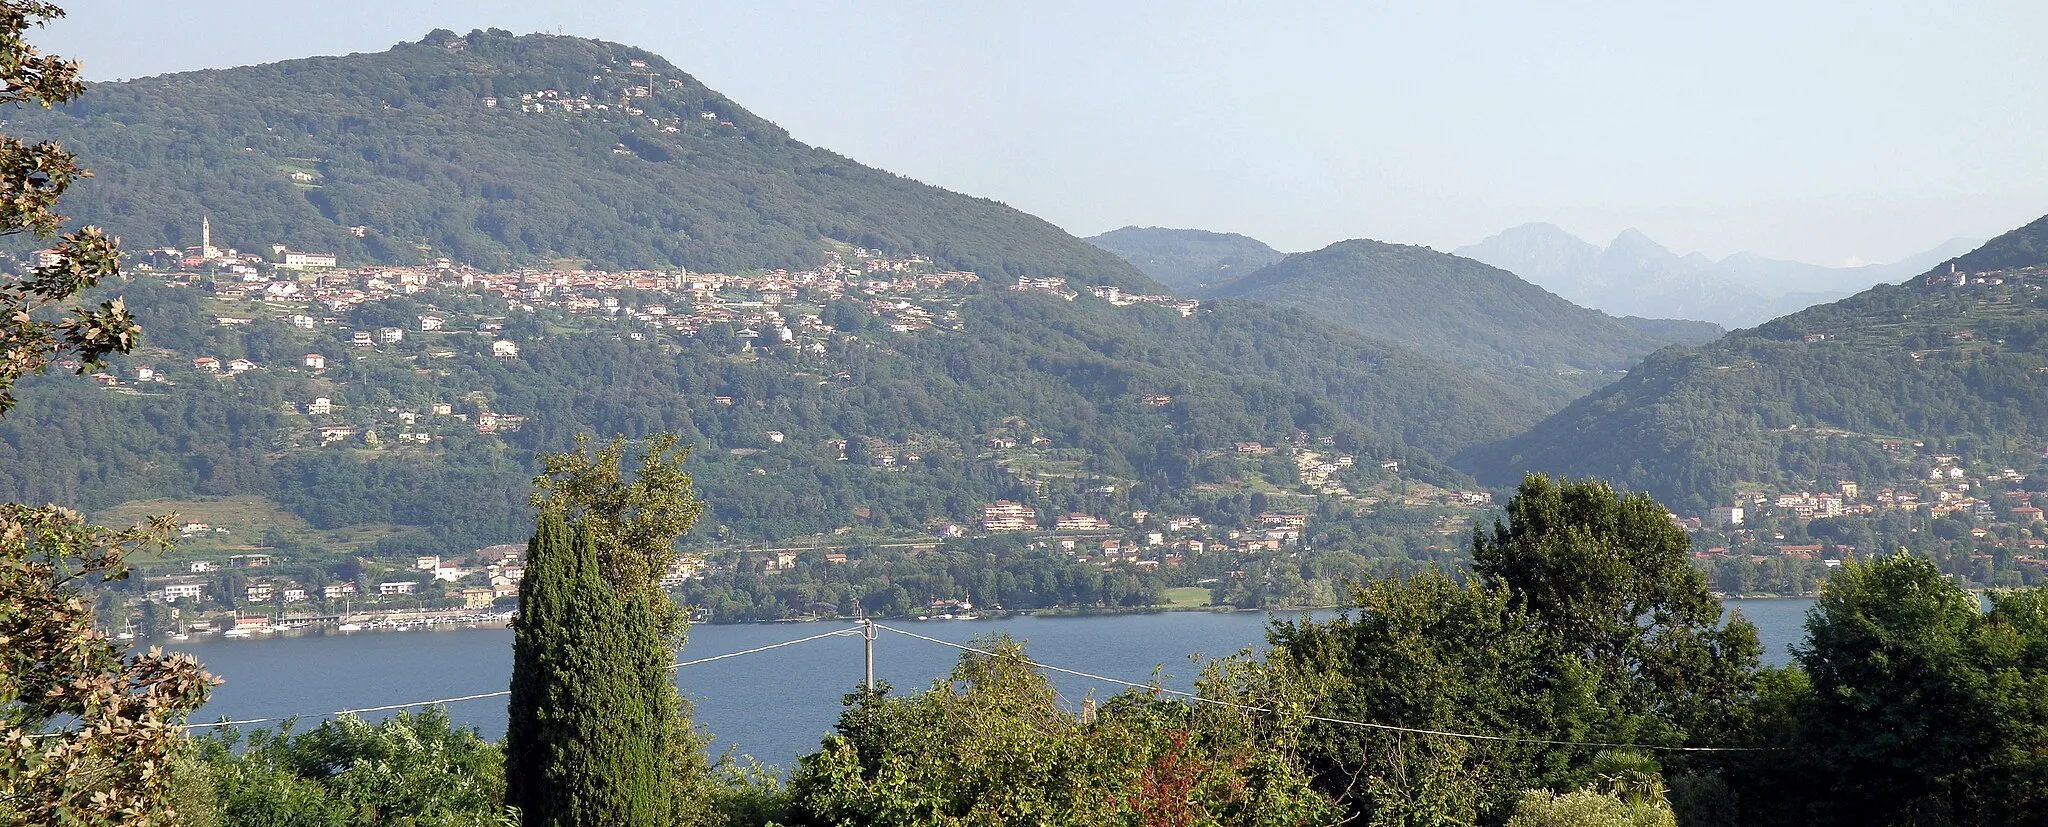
x=1187 y=260
x=1635 y=276
x=1873 y=389
x=1454 y=308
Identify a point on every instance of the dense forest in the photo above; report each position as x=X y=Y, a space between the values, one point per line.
x=500 y=151
x=1863 y=389
x=1073 y=374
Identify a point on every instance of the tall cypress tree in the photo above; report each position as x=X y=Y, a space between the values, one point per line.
x=588 y=743
x=539 y=646
x=599 y=735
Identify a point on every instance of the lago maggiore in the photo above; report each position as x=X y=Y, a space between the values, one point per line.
x=774 y=705
x=665 y=413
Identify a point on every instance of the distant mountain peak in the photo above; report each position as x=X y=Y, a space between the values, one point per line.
x=1633 y=240
x=460 y=147
x=1461 y=308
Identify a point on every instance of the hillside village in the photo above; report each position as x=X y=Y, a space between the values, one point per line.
x=465 y=313
x=1995 y=515
x=912 y=296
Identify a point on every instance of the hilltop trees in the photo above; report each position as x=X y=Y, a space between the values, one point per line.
x=88 y=734
x=1608 y=578
x=598 y=735
x=1583 y=623
x=1918 y=707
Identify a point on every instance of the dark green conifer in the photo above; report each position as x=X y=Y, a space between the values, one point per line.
x=589 y=742
x=539 y=645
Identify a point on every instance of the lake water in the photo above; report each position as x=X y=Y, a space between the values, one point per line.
x=773 y=705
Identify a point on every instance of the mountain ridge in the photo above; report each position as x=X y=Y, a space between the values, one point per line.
x=1869 y=389
x=824 y=384
x=1184 y=259
x=1635 y=275
x=1458 y=308
x=504 y=151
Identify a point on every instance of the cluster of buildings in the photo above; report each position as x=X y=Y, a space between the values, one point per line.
x=478 y=580
x=1955 y=277
x=1948 y=488
x=905 y=294
x=1106 y=292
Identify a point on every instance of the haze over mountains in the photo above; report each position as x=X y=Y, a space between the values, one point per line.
x=1456 y=308
x=536 y=152
x=1635 y=276
x=1879 y=389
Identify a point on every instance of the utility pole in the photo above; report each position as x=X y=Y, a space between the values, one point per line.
x=868 y=634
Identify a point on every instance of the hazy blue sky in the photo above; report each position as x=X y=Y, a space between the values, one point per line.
x=1823 y=131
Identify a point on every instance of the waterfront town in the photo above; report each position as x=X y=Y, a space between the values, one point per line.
x=238 y=593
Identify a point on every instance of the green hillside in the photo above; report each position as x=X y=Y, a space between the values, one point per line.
x=1187 y=260
x=500 y=151
x=1874 y=389
x=1455 y=308
x=859 y=362
x=1675 y=331
x=1140 y=401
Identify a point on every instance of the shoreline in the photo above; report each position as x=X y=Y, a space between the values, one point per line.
x=461 y=620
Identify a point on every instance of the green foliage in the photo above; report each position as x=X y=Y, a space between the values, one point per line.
x=1187 y=260
x=1611 y=579
x=1923 y=708
x=401 y=142
x=636 y=523
x=592 y=710
x=2023 y=247
x=1587 y=808
x=1583 y=623
x=989 y=745
x=1949 y=368
x=1463 y=310
x=598 y=733
x=1074 y=371
x=33 y=178
x=1675 y=331
x=412 y=769
x=89 y=732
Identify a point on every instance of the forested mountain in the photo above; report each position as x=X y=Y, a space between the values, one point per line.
x=875 y=362
x=1675 y=331
x=1880 y=389
x=498 y=151
x=1187 y=260
x=1634 y=275
x=1456 y=308
x=1070 y=377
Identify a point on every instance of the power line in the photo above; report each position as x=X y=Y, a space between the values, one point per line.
x=1365 y=724
x=1036 y=664
x=505 y=692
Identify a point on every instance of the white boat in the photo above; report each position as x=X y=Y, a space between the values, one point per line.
x=125 y=636
x=349 y=627
x=181 y=636
x=237 y=632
